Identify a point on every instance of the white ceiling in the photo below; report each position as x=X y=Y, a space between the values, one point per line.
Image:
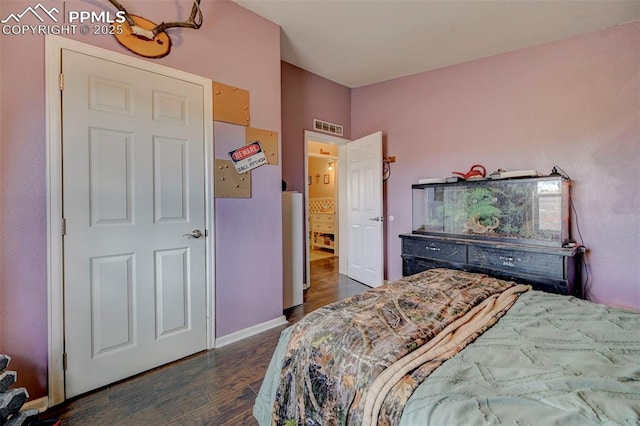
x=360 y=42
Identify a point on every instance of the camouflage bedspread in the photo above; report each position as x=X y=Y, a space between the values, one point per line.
x=358 y=360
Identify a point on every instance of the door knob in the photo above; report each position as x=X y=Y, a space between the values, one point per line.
x=376 y=219
x=196 y=233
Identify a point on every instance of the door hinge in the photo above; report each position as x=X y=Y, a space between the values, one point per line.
x=64 y=361
x=63 y=224
x=61 y=81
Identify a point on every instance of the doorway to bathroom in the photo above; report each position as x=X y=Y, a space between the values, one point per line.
x=350 y=222
x=323 y=195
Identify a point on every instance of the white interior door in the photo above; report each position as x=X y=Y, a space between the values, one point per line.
x=133 y=193
x=364 y=204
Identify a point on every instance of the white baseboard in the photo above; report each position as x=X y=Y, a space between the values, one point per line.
x=250 y=331
x=40 y=404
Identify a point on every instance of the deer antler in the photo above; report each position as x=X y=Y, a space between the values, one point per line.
x=147 y=39
x=121 y=8
x=194 y=21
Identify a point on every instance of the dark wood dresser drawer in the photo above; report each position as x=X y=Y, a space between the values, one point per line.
x=434 y=249
x=550 y=269
x=412 y=265
x=523 y=262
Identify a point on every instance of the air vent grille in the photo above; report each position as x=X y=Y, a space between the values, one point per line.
x=325 y=126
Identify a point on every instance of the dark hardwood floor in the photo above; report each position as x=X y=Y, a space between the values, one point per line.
x=216 y=387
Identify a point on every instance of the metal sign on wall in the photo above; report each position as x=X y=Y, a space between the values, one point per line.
x=248 y=157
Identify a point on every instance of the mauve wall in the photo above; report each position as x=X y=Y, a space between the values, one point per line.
x=306 y=96
x=235 y=47
x=2 y=297
x=23 y=229
x=573 y=103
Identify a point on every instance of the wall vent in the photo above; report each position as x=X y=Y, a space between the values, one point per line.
x=325 y=126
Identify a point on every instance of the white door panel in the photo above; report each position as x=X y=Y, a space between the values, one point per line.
x=112 y=303
x=110 y=179
x=133 y=186
x=171 y=189
x=364 y=200
x=172 y=291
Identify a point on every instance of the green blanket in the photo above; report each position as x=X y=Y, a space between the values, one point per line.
x=550 y=360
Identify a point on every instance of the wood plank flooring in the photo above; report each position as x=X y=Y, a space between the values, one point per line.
x=216 y=387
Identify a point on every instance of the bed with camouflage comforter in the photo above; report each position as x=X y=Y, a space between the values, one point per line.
x=450 y=347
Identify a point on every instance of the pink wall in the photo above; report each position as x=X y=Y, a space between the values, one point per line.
x=235 y=47
x=23 y=230
x=572 y=103
x=306 y=96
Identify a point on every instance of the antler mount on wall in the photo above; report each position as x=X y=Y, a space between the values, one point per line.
x=145 y=38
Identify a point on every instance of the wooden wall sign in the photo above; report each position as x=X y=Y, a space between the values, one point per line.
x=145 y=38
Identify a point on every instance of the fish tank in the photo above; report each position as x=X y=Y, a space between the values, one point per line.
x=527 y=210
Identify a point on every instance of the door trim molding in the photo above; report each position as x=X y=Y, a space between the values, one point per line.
x=55 y=302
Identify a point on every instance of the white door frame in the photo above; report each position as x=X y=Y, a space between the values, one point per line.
x=311 y=136
x=55 y=302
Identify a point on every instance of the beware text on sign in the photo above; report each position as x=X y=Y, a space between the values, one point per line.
x=248 y=157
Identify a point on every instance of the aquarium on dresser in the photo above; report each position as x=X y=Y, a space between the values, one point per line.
x=529 y=210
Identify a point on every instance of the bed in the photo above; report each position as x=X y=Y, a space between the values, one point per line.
x=447 y=347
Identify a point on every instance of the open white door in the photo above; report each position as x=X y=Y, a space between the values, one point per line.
x=364 y=204
x=134 y=205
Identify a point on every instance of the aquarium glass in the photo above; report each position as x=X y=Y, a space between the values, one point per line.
x=533 y=209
